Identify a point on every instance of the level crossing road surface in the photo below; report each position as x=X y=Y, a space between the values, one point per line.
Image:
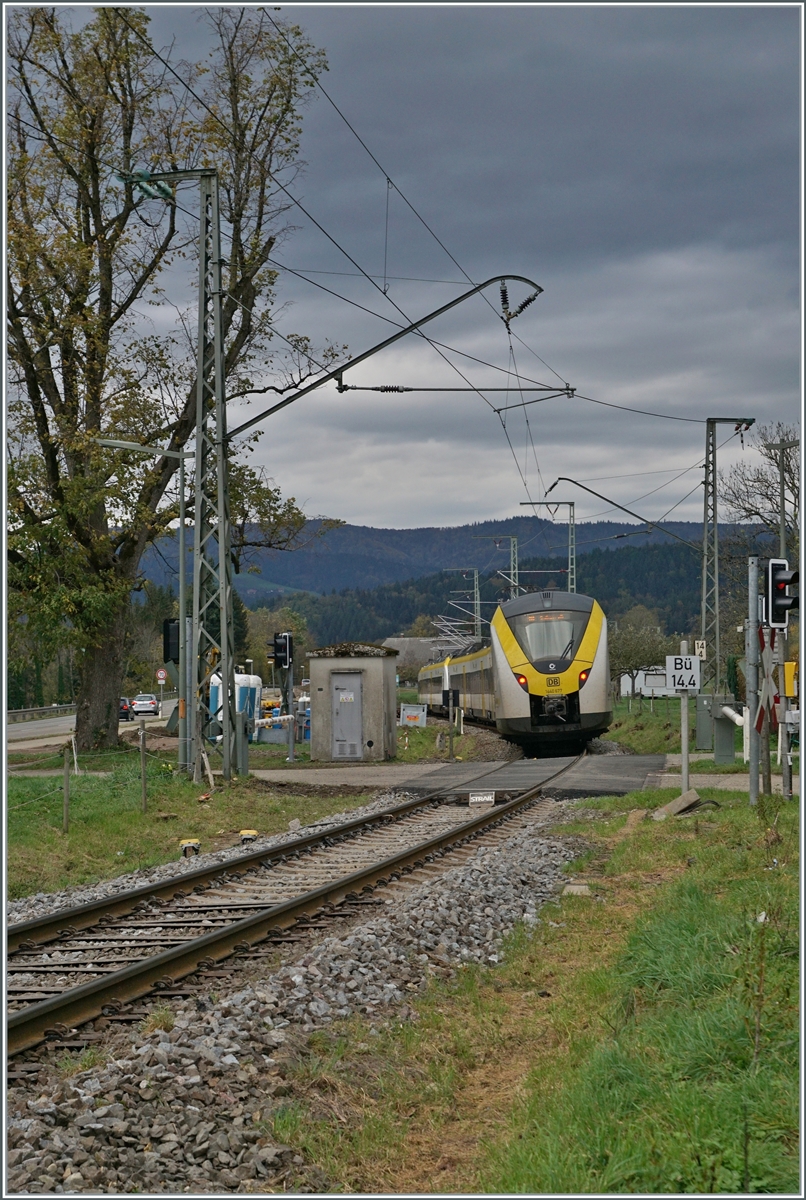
x=603 y=775
x=28 y=735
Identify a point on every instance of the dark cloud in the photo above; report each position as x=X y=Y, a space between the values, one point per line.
x=567 y=132
x=641 y=163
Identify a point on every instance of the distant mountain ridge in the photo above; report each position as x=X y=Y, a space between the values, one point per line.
x=361 y=557
x=665 y=578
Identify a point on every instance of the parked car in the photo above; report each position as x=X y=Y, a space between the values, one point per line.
x=126 y=713
x=146 y=705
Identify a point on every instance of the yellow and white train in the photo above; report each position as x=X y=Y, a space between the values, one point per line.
x=544 y=679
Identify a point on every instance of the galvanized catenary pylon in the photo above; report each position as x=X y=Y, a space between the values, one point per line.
x=211 y=703
x=212 y=709
x=498 y=538
x=709 y=603
x=572 y=533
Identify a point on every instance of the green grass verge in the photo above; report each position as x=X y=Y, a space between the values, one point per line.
x=653 y=727
x=109 y=834
x=695 y=1087
x=643 y=1039
x=645 y=731
x=707 y=766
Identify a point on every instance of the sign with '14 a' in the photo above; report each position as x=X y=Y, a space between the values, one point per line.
x=683 y=672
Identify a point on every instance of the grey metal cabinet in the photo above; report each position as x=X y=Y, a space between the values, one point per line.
x=347 y=718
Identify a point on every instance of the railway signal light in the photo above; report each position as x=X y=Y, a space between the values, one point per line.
x=283 y=649
x=779 y=603
x=170 y=640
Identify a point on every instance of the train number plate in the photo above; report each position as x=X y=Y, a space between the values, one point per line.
x=482 y=797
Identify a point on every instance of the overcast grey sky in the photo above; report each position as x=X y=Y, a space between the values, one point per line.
x=640 y=163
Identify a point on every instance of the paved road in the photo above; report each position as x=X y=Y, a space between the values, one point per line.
x=57 y=729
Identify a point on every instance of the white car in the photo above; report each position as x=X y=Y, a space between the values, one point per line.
x=146 y=706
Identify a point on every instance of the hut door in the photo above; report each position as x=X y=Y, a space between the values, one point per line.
x=347 y=725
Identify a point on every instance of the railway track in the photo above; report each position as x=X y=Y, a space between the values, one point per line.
x=92 y=960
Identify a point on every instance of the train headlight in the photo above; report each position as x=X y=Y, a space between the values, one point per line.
x=523 y=681
x=583 y=678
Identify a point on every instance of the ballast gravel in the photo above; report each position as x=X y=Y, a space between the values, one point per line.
x=190 y=1110
x=42 y=903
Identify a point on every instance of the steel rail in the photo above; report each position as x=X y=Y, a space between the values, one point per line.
x=29 y=1026
x=40 y=930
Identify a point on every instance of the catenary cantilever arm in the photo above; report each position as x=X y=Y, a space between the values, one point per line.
x=651 y=524
x=353 y=362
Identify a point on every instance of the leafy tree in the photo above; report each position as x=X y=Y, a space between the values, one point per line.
x=86 y=257
x=263 y=624
x=421 y=627
x=143 y=638
x=751 y=491
x=636 y=644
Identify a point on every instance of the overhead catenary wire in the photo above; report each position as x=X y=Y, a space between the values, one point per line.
x=289 y=194
x=646 y=521
x=392 y=278
x=383 y=290
x=698 y=465
x=643 y=412
x=470 y=387
x=389 y=320
x=318 y=83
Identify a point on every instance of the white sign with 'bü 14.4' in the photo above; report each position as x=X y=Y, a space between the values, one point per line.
x=683 y=672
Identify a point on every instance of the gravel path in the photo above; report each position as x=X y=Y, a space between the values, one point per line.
x=190 y=1110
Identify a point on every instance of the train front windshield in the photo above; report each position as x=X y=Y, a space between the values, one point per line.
x=549 y=635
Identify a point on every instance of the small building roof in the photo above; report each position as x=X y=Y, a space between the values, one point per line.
x=353 y=650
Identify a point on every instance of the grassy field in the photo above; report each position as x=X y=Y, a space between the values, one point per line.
x=109 y=834
x=655 y=729
x=643 y=1039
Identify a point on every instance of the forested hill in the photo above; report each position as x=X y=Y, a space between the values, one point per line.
x=663 y=577
x=356 y=556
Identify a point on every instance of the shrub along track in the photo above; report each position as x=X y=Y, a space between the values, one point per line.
x=64 y=969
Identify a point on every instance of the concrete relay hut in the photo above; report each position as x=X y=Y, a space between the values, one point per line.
x=353 y=702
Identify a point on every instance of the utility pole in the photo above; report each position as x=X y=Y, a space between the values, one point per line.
x=786 y=762
x=466 y=571
x=292 y=716
x=498 y=538
x=684 y=763
x=572 y=533
x=751 y=654
x=709 y=601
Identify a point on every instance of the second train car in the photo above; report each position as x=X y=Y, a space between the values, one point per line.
x=544 y=678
